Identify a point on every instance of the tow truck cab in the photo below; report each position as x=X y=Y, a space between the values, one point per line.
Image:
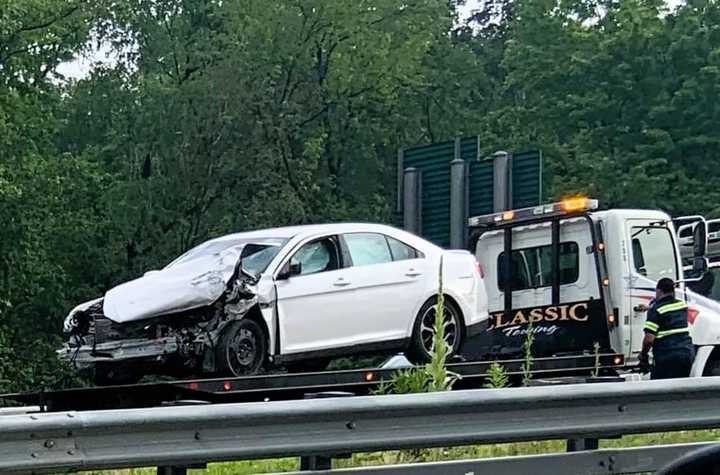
x=576 y=277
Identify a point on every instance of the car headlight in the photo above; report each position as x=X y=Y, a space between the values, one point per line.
x=70 y=323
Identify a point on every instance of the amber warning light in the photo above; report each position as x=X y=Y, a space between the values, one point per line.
x=579 y=203
x=567 y=206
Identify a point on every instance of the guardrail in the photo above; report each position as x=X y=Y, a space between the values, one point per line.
x=190 y=435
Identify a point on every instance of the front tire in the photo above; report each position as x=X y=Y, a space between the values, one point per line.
x=421 y=344
x=242 y=349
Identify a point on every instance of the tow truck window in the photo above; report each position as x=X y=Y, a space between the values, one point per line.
x=653 y=252
x=532 y=267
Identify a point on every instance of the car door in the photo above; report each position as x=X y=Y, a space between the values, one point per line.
x=389 y=278
x=314 y=305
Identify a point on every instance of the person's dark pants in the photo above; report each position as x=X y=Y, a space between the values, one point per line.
x=673 y=364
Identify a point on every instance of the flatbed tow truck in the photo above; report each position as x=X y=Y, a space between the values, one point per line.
x=576 y=276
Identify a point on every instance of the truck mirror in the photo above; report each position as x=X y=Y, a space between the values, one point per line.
x=700 y=239
x=700 y=266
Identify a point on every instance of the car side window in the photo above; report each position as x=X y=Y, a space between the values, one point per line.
x=368 y=248
x=317 y=256
x=401 y=251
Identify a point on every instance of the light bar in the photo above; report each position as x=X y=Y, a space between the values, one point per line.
x=565 y=207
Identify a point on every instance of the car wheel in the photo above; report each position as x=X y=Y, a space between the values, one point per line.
x=309 y=366
x=421 y=344
x=712 y=368
x=242 y=349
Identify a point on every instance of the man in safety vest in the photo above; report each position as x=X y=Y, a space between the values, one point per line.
x=667 y=333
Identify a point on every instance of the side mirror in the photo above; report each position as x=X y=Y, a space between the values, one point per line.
x=700 y=240
x=290 y=269
x=700 y=266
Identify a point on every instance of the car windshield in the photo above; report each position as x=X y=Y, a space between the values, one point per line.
x=257 y=254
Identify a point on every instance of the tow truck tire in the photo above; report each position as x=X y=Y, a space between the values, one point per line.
x=712 y=368
x=241 y=349
x=418 y=352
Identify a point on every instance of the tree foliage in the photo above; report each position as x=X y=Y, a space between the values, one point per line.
x=226 y=116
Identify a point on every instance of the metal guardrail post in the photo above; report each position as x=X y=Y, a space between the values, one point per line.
x=321 y=462
x=576 y=445
x=171 y=470
x=315 y=462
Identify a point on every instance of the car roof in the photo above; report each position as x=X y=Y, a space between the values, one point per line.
x=288 y=232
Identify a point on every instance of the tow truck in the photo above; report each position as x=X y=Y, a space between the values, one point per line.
x=577 y=275
x=568 y=273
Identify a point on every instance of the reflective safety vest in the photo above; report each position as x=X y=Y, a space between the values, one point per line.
x=667 y=319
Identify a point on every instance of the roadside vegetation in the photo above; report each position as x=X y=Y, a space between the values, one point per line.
x=437 y=455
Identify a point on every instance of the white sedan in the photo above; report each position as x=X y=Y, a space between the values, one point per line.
x=293 y=296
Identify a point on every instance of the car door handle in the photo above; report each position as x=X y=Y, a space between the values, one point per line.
x=341 y=283
x=412 y=273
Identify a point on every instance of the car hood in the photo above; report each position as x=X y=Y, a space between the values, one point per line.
x=181 y=287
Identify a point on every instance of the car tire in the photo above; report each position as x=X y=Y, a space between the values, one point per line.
x=241 y=349
x=712 y=368
x=308 y=366
x=420 y=343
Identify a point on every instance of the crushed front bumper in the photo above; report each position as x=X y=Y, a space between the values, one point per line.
x=111 y=352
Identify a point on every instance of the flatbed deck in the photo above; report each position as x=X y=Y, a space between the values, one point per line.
x=289 y=386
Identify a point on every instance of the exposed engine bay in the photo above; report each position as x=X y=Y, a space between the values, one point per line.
x=179 y=343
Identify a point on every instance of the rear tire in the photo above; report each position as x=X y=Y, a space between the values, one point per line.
x=242 y=349
x=423 y=333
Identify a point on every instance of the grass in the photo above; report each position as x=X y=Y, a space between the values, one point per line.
x=436 y=455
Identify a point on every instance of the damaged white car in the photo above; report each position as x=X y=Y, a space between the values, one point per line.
x=294 y=296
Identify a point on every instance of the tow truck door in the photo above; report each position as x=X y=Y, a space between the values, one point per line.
x=652 y=257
